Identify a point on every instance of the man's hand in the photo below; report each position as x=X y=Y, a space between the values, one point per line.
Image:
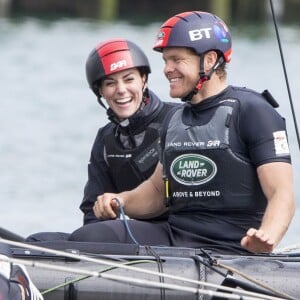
x=257 y=241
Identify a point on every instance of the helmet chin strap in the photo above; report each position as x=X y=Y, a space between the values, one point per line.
x=203 y=77
x=101 y=102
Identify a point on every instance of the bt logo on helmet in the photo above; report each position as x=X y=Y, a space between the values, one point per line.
x=199 y=34
x=118 y=65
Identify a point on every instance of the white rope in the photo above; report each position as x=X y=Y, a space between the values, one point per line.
x=287 y=249
x=132 y=268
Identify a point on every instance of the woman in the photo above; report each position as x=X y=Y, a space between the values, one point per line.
x=126 y=150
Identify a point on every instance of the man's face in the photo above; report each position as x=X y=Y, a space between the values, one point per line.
x=182 y=68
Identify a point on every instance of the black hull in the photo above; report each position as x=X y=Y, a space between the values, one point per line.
x=271 y=274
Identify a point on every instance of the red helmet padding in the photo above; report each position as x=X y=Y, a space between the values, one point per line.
x=112 y=60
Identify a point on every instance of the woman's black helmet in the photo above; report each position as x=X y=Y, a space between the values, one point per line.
x=113 y=56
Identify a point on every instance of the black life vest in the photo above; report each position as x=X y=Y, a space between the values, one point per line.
x=136 y=164
x=202 y=171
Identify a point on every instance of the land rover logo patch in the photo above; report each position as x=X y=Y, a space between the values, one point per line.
x=193 y=169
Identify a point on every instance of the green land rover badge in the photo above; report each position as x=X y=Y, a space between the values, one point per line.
x=193 y=169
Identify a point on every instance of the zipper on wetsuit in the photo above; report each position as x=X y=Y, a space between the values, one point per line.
x=167 y=200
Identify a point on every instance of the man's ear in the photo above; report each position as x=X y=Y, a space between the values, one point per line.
x=210 y=59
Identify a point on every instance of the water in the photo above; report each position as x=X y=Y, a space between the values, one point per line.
x=49 y=117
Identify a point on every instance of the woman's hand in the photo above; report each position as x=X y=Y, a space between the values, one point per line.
x=107 y=206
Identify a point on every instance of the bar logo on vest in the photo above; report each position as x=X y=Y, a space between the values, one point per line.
x=193 y=169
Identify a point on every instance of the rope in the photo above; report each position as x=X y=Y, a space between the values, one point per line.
x=150 y=250
x=124 y=218
x=285 y=72
x=251 y=279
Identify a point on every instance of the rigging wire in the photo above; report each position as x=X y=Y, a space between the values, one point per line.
x=285 y=72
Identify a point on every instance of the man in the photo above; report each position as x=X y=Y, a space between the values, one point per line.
x=225 y=175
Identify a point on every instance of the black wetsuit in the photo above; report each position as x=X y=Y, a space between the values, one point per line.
x=215 y=195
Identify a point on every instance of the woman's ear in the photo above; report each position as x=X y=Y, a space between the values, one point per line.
x=100 y=89
x=144 y=78
x=145 y=86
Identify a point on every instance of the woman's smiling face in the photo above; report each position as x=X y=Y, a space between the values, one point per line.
x=123 y=92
